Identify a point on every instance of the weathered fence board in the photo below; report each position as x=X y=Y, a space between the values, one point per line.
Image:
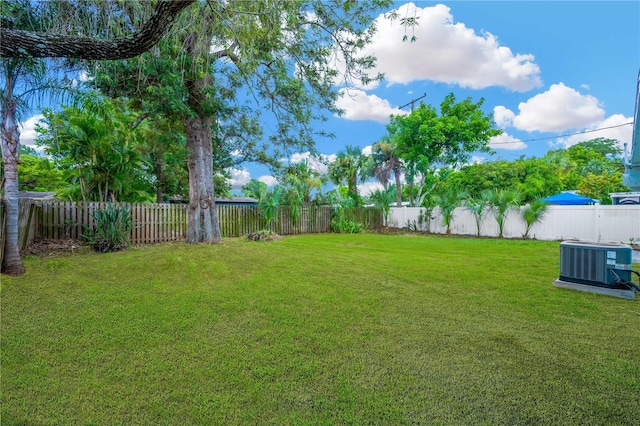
x=152 y=223
x=27 y=216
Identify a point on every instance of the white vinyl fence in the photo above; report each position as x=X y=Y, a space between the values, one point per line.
x=596 y=223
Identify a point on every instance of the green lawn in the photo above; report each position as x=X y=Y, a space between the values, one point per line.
x=320 y=329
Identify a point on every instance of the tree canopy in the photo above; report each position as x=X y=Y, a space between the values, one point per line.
x=427 y=138
x=593 y=167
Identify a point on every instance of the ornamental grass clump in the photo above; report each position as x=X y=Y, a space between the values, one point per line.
x=111 y=230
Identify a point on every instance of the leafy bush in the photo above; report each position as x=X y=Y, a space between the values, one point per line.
x=340 y=221
x=111 y=231
x=346 y=226
x=269 y=205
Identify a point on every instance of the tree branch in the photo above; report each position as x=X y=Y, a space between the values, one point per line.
x=21 y=44
x=139 y=120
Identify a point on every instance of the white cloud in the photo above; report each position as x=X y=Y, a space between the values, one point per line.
x=239 y=177
x=358 y=105
x=506 y=141
x=503 y=116
x=28 y=132
x=367 y=150
x=622 y=133
x=448 y=52
x=558 y=109
x=477 y=159
x=365 y=189
x=268 y=180
x=320 y=165
x=299 y=157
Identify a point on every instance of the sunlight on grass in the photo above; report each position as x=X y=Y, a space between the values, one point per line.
x=319 y=329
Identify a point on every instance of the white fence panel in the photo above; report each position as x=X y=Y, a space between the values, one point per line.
x=587 y=223
x=568 y=223
x=620 y=223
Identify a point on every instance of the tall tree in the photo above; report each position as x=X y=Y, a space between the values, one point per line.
x=426 y=138
x=600 y=186
x=533 y=177
x=23 y=81
x=38 y=173
x=24 y=39
x=349 y=168
x=280 y=52
x=98 y=146
x=285 y=52
x=604 y=146
x=385 y=163
x=302 y=179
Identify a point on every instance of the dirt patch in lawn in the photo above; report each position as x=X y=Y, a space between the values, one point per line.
x=43 y=247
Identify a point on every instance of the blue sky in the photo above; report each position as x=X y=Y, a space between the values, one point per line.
x=544 y=68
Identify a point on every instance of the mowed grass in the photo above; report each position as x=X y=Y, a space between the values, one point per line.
x=318 y=329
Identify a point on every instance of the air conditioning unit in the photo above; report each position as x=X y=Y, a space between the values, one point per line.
x=596 y=267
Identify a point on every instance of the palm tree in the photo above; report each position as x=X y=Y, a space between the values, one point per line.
x=382 y=199
x=24 y=80
x=448 y=201
x=302 y=179
x=478 y=207
x=349 y=167
x=534 y=213
x=98 y=145
x=503 y=200
x=386 y=162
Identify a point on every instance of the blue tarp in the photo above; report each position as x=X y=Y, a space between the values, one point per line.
x=568 y=199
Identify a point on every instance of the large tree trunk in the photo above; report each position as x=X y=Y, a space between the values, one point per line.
x=203 y=225
x=11 y=264
x=396 y=174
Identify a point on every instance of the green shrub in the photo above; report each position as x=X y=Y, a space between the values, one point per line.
x=111 y=230
x=346 y=226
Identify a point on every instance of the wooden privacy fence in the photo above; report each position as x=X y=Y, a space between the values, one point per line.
x=237 y=221
x=26 y=218
x=152 y=223
x=156 y=223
